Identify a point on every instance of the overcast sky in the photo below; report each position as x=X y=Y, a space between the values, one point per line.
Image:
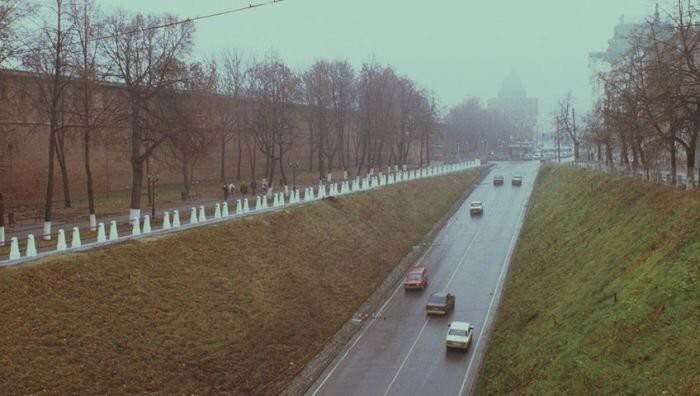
x=458 y=48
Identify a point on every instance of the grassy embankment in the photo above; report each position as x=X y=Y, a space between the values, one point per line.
x=603 y=294
x=238 y=307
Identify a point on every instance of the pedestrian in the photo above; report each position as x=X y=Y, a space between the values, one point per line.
x=226 y=190
x=231 y=189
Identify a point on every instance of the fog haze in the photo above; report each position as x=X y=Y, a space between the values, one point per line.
x=456 y=48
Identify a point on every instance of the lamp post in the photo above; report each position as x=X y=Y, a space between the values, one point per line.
x=152 y=178
x=294 y=165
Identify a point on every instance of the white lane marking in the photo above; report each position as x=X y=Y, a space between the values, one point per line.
x=462 y=260
x=378 y=314
x=405 y=359
x=493 y=298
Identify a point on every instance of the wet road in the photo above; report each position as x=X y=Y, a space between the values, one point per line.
x=402 y=350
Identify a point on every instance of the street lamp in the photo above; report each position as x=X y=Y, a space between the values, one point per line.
x=294 y=165
x=152 y=179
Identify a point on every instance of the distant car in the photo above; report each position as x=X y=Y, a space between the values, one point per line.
x=476 y=207
x=497 y=180
x=417 y=278
x=440 y=303
x=527 y=157
x=459 y=335
x=537 y=156
x=517 y=180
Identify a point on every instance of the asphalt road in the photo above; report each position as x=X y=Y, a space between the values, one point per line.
x=401 y=351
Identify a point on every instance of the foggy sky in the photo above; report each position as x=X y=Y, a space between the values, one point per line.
x=458 y=48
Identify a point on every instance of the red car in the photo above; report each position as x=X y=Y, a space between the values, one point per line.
x=417 y=278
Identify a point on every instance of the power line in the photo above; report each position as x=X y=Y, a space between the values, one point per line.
x=188 y=20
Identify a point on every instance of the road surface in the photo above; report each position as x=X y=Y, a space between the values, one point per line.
x=402 y=350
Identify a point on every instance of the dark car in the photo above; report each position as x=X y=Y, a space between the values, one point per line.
x=498 y=180
x=440 y=303
x=517 y=180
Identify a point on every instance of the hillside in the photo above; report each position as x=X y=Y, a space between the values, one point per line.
x=602 y=295
x=238 y=307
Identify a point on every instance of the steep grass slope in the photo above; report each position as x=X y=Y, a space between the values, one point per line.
x=239 y=307
x=603 y=294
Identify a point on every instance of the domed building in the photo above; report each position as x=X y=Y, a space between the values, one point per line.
x=512 y=102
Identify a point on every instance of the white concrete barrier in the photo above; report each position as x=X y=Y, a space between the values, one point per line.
x=146 y=224
x=61 y=241
x=193 y=215
x=202 y=215
x=135 y=227
x=113 y=231
x=239 y=207
x=246 y=208
x=176 y=218
x=2 y=236
x=31 y=246
x=217 y=211
x=258 y=203
x=264 y=202
x=101 y=235
x=93 y=222
x=75 y=241
x=224 y=210
x=14 y=249
x=275 y=201
x=166 y=221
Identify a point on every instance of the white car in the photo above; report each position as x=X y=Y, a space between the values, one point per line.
x=476 y=207
x=459 y=335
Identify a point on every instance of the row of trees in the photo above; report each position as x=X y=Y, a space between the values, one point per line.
x=650 y=113
x=130 y=78
x=470 y=127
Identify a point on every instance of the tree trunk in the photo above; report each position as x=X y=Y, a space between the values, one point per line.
x=240 y=156
x=61 y=157
x=222 y=176
x=136 y=164
x=50 y=176
x=674 y=167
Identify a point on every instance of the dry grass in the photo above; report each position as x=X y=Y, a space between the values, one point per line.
x=239 y=307
x=603 y=294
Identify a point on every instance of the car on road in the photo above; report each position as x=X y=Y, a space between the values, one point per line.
x=459 y=335
x=498 y=180
x=440 y=303
x=516 y=181
x=417 y=278
x=476 y=207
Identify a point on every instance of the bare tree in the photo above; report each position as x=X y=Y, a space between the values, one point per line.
x=275 y=88
x=147 y=53
x=48 y=60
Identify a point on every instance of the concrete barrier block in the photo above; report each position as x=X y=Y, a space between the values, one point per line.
x=224 y=210
x=93 y=222
x=217 y=211
x=2 y=236
x=193 y=215
x=166 y=221
x=61 y=241
x=202 y=215
x=113 y=231
x=135 y=227
x=101 y=235
x=176 y=218
x=146 y=224
x=246 y=208
x=264 y=202
x=75 y=241
x=14 y=249
x=258 y=203
x=31 y=246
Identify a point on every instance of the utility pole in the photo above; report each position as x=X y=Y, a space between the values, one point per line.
x=558 y=145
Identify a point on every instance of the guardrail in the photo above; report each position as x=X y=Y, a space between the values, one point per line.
x=173 y=221
x=651 y=176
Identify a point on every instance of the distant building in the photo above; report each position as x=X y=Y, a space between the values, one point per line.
x=602 y=61
x=512 y=101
